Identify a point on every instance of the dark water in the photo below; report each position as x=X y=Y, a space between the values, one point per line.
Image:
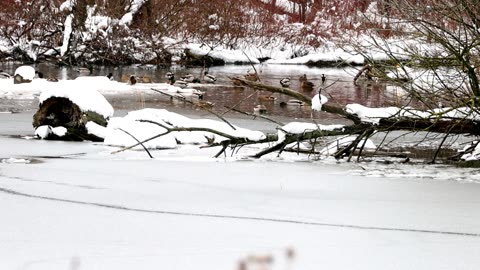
x=224 y=94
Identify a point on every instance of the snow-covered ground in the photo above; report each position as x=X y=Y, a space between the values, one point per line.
x=76 y=206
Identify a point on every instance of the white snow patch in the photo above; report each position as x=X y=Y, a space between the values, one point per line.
x=96 y=129
x=82 y=94
x=229 y=56
x=43 y=131
x=27 y=72
x=15 y=160
x=371 y=115
x=66 y=34
x=59 y=131
x=67 y=5
x=144 y=130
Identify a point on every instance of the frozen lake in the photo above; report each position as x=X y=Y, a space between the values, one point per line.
x=76 y=206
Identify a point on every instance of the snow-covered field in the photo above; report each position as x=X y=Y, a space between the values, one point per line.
x=68 y=205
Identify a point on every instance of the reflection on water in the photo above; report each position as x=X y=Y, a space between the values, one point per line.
x=224 y=94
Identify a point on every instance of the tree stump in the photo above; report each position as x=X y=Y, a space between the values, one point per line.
x=60 y=111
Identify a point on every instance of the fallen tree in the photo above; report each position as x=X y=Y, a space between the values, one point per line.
x=446 y=122
x=418 y=121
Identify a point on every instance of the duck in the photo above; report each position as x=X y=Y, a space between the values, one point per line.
x=39 y=74
x=260 y=109
x=145 y=79
x=285 y=82
x=132 y=80
x=303 y=78
x=179 y=83
x=189 y=78
x=148 y=66
x=209 y=78
x=84 y=70
x=52 y=79
x=110 y=76
x=306 y=86
x=191 y=92
x=205 y=104
x=324 y=79
x=266 y=98
x=295 y=102
x=251 y=77
x=5 y=75
x=172 y=81
x=171 y=78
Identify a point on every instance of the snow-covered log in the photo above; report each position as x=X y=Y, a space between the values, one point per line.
x=62 y=112
x=72 y=105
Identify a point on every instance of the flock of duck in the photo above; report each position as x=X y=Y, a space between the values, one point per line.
x=305 y=84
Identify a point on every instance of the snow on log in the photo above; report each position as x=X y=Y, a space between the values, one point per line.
x=23 y=74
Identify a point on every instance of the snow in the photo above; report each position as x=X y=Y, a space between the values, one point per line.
x=372 y=115
x=67 y=5
x=134 y=7
x=96 y=129
x=116 y=135
x=229 y=56
x=59 y=131
x=474 y=155
x=83 y=94
x=336 y=55
x=66 y=34
x=126 y=19
x=43 y=132
x=96 y=23
x=302 y=127
x=27 y=72
x=87 y=84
